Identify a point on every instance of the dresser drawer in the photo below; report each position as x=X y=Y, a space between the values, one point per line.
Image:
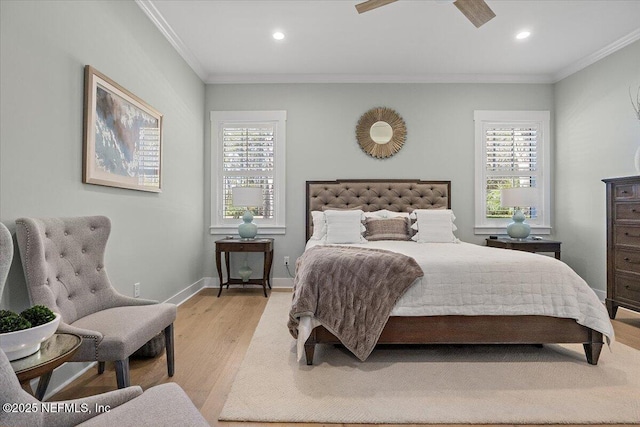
x=627 y=235
x=627 y=260
x=628 y=288
x=628 y=211
x=626 y=191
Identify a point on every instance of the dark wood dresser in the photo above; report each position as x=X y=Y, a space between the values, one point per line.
x=623 y=244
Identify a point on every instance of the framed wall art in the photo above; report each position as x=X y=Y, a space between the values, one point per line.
x=122 y=136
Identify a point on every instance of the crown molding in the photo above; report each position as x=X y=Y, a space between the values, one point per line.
x=376 y=78
x=156 y=17
x=597 y=56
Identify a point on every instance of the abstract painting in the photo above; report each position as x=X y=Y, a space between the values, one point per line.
x=122 y=136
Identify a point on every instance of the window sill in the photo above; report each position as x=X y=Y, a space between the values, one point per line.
x=233 y=230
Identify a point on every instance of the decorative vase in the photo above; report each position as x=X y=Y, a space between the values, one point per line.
x=245 y=271
x=518 y=229
x=247 y=230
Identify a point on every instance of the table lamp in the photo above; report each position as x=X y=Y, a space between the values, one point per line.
x=519 y=197
x=246 y=197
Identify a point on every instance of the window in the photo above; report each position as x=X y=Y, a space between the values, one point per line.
x=512 y=150
x=248 y=150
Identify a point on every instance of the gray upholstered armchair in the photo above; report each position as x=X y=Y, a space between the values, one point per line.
x=162 y=405
x=63 y=261
x=6 y=254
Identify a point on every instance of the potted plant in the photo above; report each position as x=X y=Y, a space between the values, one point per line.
x=21 y=334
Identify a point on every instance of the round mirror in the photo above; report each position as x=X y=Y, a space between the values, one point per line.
x=381 y=132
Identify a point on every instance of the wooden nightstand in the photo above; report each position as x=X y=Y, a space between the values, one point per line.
x=264 y=245
x=527 y=245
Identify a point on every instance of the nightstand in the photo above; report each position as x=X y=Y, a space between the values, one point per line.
x=264 y=245
x=527 y=245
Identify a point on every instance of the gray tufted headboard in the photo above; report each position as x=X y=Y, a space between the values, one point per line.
x=398 y=195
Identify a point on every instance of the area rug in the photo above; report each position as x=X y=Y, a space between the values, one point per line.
x=430 y=384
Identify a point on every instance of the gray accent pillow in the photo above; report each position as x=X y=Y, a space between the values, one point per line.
x=398 y=228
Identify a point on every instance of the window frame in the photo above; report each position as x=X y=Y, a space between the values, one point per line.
x=275 y=225
x=542 y=119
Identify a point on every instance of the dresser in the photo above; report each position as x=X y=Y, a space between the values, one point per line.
x=623 y=244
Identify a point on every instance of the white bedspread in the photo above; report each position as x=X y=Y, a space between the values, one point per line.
x=468 y=279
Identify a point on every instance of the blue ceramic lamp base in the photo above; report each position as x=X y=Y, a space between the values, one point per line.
x=518 y=229
x=247 y=230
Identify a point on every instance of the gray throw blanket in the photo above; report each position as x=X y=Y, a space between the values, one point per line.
x=351 y=291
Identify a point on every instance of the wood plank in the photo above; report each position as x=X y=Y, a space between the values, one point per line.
x=371 y=4
x=476 y=11
x=212 y=337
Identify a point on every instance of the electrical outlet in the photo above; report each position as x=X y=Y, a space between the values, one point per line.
x=136 y=290
x=286 y=260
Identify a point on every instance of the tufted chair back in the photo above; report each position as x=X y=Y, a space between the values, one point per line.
x=6 y=254
x=63 y=261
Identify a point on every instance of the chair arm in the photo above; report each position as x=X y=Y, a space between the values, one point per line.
x=65 y=328
x=80 y=410
x=120 y=300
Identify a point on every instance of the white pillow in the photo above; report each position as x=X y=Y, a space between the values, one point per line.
x=384 y=213
x=319 y=225
x=434 y=226
x=344 y=226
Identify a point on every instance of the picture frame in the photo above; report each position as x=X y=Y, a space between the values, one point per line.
x=122 y=144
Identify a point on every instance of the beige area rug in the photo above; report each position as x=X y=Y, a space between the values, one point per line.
x=430 y=384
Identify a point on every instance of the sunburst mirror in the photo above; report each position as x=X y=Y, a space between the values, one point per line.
x=381 y=132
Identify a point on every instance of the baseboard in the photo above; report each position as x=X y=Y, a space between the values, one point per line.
x=276 y=283
x=188 y=292
x=69 y=370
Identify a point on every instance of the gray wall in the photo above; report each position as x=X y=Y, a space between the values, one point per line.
x=597 y=135
x=321 y=144
x=156 y=239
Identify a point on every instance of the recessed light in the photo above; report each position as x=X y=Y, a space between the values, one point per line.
x=523 y=35
x=278 y=35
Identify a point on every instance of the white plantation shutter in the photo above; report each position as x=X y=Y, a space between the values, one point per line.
x=511 y=161
x=512 y=150
x=248 y=150
x=248 y=161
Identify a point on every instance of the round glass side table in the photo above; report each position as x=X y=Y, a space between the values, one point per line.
x=53 y=352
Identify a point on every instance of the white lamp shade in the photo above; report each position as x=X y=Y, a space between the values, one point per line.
x=246 y=196
x=519 y=197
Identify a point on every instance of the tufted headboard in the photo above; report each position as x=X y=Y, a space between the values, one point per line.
x=398 y=195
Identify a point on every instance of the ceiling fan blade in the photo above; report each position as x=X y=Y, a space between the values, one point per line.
x=371 y=4
x=476 y=11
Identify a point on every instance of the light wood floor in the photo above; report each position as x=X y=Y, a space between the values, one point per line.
x=211 y=337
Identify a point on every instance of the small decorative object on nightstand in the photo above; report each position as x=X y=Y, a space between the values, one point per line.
x=247 y=197
x=518 y=198
x=264 y=245
x=527 y=245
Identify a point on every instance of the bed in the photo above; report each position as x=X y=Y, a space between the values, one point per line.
x=443 y=328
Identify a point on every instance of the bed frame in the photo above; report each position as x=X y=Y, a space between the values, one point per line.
x=401 y=195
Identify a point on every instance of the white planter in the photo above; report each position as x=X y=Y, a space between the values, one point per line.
x=19 y=344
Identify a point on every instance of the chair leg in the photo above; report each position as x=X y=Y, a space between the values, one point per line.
x=101 y=367
x=122 y=373
x=168 y=343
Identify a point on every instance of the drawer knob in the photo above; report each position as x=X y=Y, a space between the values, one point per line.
x=627 y=287
x=625 y=192
x=633 y=210
x=626 y=233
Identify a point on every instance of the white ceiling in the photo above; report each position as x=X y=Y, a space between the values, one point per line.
x=406 y=41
